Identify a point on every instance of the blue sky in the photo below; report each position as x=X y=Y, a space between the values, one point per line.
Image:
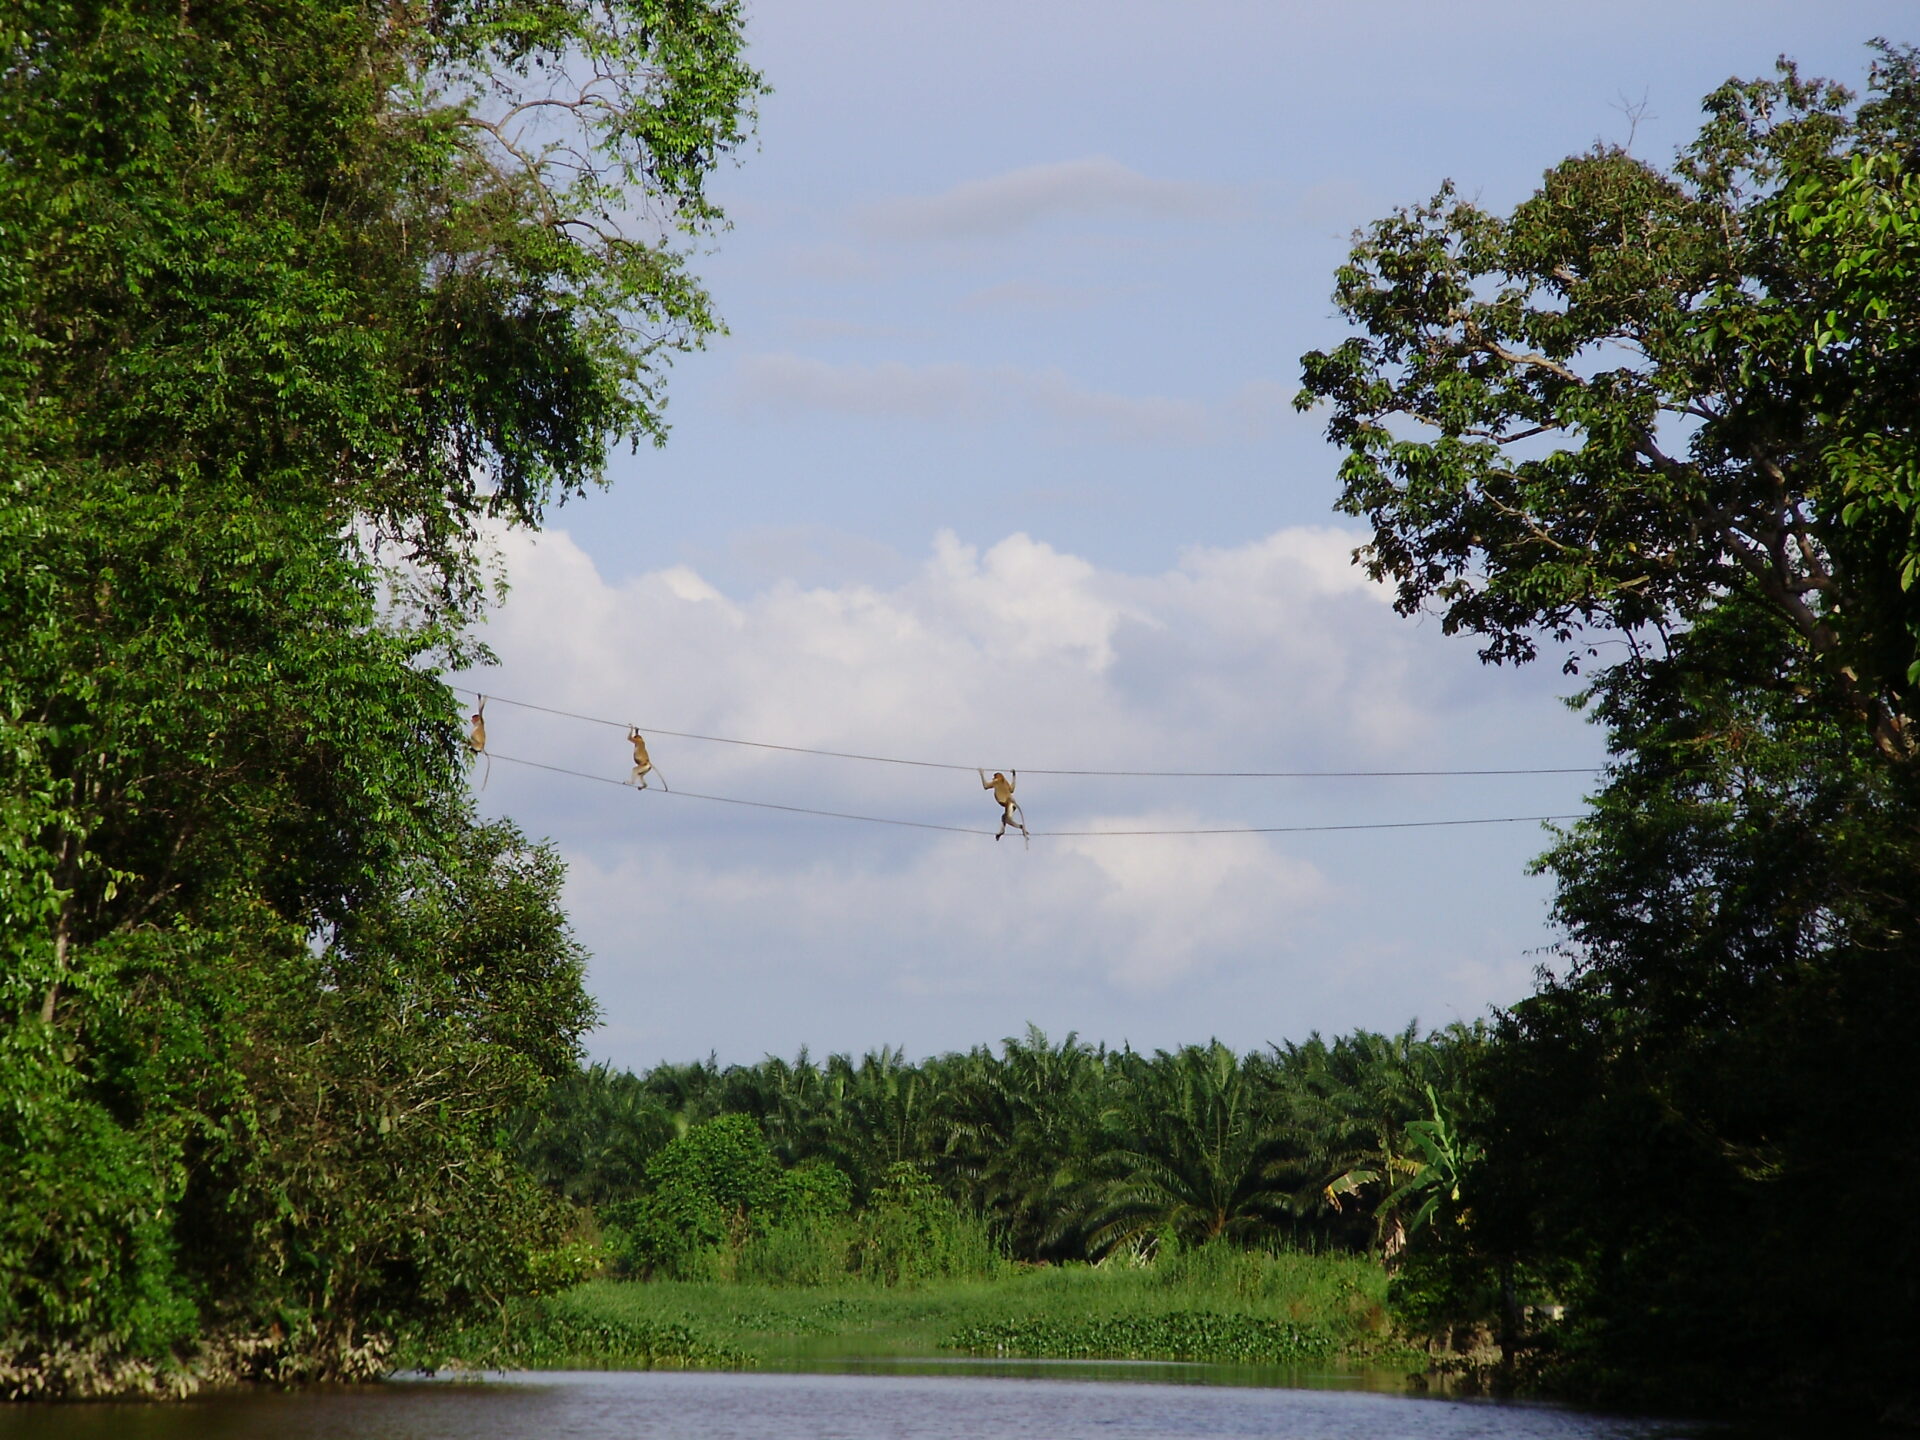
x=997 y=466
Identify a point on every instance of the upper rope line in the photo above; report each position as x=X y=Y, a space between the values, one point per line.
x=1033 y=769
x=1040 y=834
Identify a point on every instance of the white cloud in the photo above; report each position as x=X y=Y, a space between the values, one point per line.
x=1135 y=915
x=1272 y=655
x=1097 y=185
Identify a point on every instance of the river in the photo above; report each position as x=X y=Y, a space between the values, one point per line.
x=1041 y=1402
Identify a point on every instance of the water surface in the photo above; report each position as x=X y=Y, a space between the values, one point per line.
x=1032 y=1404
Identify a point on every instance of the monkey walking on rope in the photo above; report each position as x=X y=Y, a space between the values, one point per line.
x=477 y=740
x=643 y=763
x=1010 y=811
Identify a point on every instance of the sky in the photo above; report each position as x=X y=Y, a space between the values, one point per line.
x=997 y=466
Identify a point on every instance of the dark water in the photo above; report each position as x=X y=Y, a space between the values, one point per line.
x=663 y=1405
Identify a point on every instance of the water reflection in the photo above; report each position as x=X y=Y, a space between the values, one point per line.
x=1168 y=1372
x=860 y=1406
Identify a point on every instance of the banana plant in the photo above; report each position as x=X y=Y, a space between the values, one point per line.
x=1440 y=1159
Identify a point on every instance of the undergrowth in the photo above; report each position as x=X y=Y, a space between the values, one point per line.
x=1213 y=1303
x=1184 y=1335
x=557 y=1333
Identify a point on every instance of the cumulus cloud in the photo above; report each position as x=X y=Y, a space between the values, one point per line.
x=970 y=394
x=1096 y=185
x=1277 y=654
x=1136 y=917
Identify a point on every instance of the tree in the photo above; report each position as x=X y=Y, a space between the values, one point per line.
x=711 y=1191
x=1669 y=412
x=295 y=296
x=1021 y=1129
x=1640 y=394
x=1196 y=1155
x=1357 y=1105
x=591 y=1137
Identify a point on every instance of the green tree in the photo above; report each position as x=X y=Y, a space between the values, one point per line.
x=1669 y=412
x=591 y=1137
x=1352 y=1102
x=712 y=1191
x=912 y=1231
x=1194 y=1154
x=1605 y=413
x=292 y=302
x=1021 y=1130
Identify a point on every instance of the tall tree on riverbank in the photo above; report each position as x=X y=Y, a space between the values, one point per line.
x=1669 y=413
x=293 y=296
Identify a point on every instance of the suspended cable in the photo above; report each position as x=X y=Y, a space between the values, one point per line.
x=1037 y=770
x=1038 y=834
x=755 y=804
x=1308 y=829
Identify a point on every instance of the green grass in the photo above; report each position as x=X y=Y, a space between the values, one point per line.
x=1209 y=1304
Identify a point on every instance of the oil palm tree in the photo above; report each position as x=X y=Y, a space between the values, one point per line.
x=1019 y=1130
x=1194 y=1152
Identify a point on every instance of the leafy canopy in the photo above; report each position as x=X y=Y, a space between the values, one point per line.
x=294 y=295
x=1670 y=411
x=1646 y=390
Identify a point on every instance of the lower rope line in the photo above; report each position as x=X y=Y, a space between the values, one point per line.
x=1042 y=834
x=1310 y=829
x=755 y=804
x=830 y=814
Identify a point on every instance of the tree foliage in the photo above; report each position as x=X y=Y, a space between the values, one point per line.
x=1056 y=1151
x=1669 y=411
x=1647 y=390
x=295 y=296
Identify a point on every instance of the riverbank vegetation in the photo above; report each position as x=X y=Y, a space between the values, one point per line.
x=1657 y=422
x=1219 y=1304
x=1048 y=1200
x=1038 y=1152
x=288 y=311
x=1043 y=1199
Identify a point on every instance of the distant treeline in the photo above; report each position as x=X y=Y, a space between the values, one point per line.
x=1062 y=1151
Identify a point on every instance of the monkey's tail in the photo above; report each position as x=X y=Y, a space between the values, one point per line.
x=486 y=772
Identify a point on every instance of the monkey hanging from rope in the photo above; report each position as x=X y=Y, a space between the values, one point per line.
x=477 y=740
x=642 y=762
x=1002 y=788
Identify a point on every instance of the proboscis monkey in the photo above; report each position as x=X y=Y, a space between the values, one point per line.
x=642 y=762
x=1002 y=788
x=477 y=740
